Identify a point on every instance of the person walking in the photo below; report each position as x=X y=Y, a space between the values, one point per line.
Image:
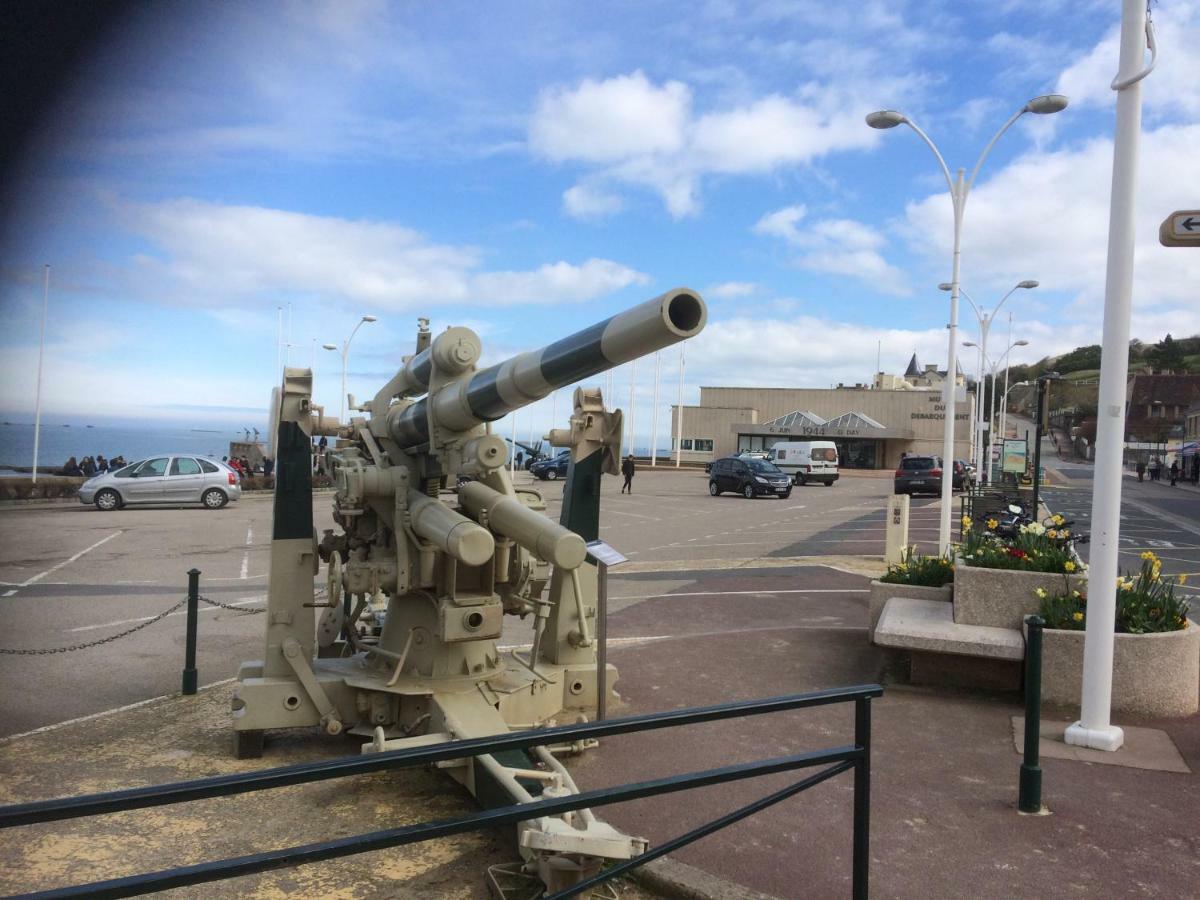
x=628 y=469
x=1141 y=470
x=1174 y=470
x=520 y=460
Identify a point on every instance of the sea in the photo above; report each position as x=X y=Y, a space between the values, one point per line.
x=60 y=441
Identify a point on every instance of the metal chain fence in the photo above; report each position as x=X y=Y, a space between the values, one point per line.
x=230 y=607
x=46 y=651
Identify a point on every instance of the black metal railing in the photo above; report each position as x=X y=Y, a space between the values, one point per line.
x=855 y=757
x=985 y=503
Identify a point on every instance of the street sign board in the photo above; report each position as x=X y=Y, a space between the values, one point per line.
x=1181 y=229
x=1016 y=452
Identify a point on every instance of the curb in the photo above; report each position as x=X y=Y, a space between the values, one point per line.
x=672 y=878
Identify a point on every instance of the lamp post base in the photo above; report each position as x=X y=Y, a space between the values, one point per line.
x=1110 y=738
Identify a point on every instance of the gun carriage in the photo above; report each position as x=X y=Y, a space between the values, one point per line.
x=436 y=546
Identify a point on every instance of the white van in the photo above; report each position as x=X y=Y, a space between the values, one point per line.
x=807 y=460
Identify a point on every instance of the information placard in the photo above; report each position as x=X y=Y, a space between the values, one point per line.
x=1015 y=456
x=605 y=553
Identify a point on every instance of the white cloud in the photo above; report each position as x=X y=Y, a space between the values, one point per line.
x=558 y=281
x=1045 y=216
x=214 y=255
x=585 y=202
x=612 y=120
x=1173 y=89
x=631 y=131
x=729 y=290
x=836 y=247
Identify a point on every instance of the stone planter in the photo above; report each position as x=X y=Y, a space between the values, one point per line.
x=881 y=592
x=1153 y=674
x=1002 y=598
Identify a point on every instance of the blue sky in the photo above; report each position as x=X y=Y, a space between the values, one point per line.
x=528 y=168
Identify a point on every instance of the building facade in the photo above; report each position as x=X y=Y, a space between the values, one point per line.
x=872 y=427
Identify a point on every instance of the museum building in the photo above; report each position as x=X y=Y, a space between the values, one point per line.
x=872 y=425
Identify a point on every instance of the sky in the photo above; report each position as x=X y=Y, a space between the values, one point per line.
x=526 y=169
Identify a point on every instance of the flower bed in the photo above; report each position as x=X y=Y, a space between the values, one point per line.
x=1153 y=674
x=1002 y=598
x=1156 y=650
x=1035 y=548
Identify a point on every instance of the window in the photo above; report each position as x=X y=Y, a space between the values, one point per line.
x=152 y=467
x=687 y=443
x=182 y=465
x=207 y=466
x=700 y=444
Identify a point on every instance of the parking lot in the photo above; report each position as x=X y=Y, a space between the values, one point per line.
x=73 y=575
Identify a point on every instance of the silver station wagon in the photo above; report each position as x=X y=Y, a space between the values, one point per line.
x=170 y=479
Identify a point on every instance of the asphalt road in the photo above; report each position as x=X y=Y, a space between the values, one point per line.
x=71 y=575
x=1154 y=516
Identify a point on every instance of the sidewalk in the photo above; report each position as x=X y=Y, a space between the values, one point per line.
x=945 y=766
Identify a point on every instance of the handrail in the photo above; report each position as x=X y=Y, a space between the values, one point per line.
x=837 y=760
x=303 y=773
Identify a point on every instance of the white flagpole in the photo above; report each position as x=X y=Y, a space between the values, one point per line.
x=37 y=403
x=679 y=414
x=654 y=418
x=632 y=385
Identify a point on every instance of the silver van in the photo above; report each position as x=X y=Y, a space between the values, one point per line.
x=170 y=479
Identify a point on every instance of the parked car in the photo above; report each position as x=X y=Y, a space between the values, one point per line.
x=748 y=477
x=919 y=475
x=171 y=479
x=553 y=468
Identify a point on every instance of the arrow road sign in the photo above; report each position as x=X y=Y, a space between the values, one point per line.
x=1181 y=229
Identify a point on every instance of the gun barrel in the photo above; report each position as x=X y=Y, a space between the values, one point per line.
x=493 y=393
x=533 y=531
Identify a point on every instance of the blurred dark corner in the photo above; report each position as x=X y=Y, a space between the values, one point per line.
x=43 y=45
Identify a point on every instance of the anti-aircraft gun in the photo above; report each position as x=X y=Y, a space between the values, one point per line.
x=435 y=569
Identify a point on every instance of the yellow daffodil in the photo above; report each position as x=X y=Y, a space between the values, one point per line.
x=1051 y=533
x=1078 y=617
x=1146 y=554
x=1057 y=519
x=966 y=521
x=992 y=524
x=1069 y=566
x=1182 y=579
x=1041 y=592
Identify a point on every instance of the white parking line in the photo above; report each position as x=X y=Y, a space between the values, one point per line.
x=27 y=582
x=246 y=555
x=245 y=601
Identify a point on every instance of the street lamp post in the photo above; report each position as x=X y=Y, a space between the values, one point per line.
x=985 y=468
x=345 y=351
x=959 y=189
x=985 y=320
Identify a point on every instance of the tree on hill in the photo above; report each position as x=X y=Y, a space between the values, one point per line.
x=1166 y=356
x=1079 y=359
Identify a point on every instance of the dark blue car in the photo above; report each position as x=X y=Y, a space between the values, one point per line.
x=553 y=468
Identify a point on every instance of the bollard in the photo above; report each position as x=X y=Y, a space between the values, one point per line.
x=1029 y=799
x=193 y=610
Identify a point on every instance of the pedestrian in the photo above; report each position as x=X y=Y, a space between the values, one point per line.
x=87 y=467
x=101 y=463
x=1174 y=471
x=1141 y=469
x=268 y=466
x=1155 y=469
x=71 y=467
x=628 y=469
x=520 y=460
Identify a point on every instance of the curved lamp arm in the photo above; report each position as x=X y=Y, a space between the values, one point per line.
x=992 y=143
x=941 y=162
